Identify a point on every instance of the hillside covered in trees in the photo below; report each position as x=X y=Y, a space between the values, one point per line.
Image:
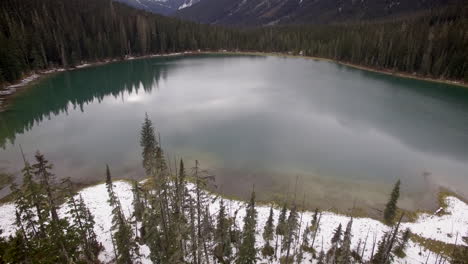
x=41 y=34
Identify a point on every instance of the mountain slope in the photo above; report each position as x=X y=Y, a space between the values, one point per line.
x=164 y=7
x=267 y=12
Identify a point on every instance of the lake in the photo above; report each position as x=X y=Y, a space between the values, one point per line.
x=344 y=134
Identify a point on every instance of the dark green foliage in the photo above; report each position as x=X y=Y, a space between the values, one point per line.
x=400 y=248
x=281 y=226
x=336 y=239
x=82 y=222
x=149 y=144
x=391 y=207
x=123 y=237
x=268 y=233
x=379 y=257
x=43 y=236
x=48 y=33
x=171 y=217
x=269 y=227
x=292 y=225
x=223 y=248
x=335 y=249
x=344 y=256
x=138 y=206
x=247 y=252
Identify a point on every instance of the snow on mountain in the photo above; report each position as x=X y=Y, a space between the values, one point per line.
x=164 y=7
x=264 y=12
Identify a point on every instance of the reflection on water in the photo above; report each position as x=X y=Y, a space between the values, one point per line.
x=347 y=134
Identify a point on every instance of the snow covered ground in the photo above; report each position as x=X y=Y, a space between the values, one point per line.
x=443 y=228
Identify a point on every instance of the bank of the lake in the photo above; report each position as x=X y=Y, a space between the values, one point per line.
x=31 y=78
x=444 y=228
x=234 y=113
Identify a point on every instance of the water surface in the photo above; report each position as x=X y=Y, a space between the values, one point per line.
x=346 y=134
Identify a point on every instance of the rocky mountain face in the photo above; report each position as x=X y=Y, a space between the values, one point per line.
x=163 y=7
x=270 y=12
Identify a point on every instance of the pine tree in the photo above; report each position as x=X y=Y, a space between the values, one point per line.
x=291 y=232
x=223 y=248
x=314 y=221
x=400 y=249
x=379 y=257
x=305 y=245
x=281 y=225
x=149 y=144
x=335 y=241
x=391 y=207
x=268 y=250
x=344 y=256
x=138 y=206
x=56 y=227
x=83 y=224
x=269 y=227
x=42 y=171
x=247 y=251
x=122 y=232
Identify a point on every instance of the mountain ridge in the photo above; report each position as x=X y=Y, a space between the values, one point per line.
x=163 y=7
x=272 y=12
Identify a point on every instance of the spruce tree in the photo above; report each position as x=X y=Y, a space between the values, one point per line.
x=223 y=248
x=335 y=244
x=42 y=170
x=344 y=255
x=391 y=207
x=149 y=144
x=267 y=250
x=247 y=252
x=122 y=232
x=138 y=206
x=83 y=224
x=281 y=225
x=292 y=225
x=57 y=228
x=400 y=248
x=379 y=257
x=336 y=238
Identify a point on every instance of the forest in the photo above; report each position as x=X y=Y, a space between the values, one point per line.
x=171 y=218
x=37 y=35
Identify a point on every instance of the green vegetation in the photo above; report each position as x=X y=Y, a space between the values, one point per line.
x=174 y=220
x=456 y=252
x=391 y=207
x=42 y=235
x=37 y=35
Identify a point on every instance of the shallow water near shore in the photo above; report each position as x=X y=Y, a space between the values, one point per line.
x=345 y=134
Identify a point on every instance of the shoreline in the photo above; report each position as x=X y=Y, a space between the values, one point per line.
x=10 y=91
x=357 y=66
x=434 y=235
x=411 y=215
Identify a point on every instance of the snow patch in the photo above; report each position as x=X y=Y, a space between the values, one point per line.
x=427 y=225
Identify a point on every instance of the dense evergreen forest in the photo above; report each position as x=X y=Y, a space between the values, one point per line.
x=171 y=218
x=41 y=34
